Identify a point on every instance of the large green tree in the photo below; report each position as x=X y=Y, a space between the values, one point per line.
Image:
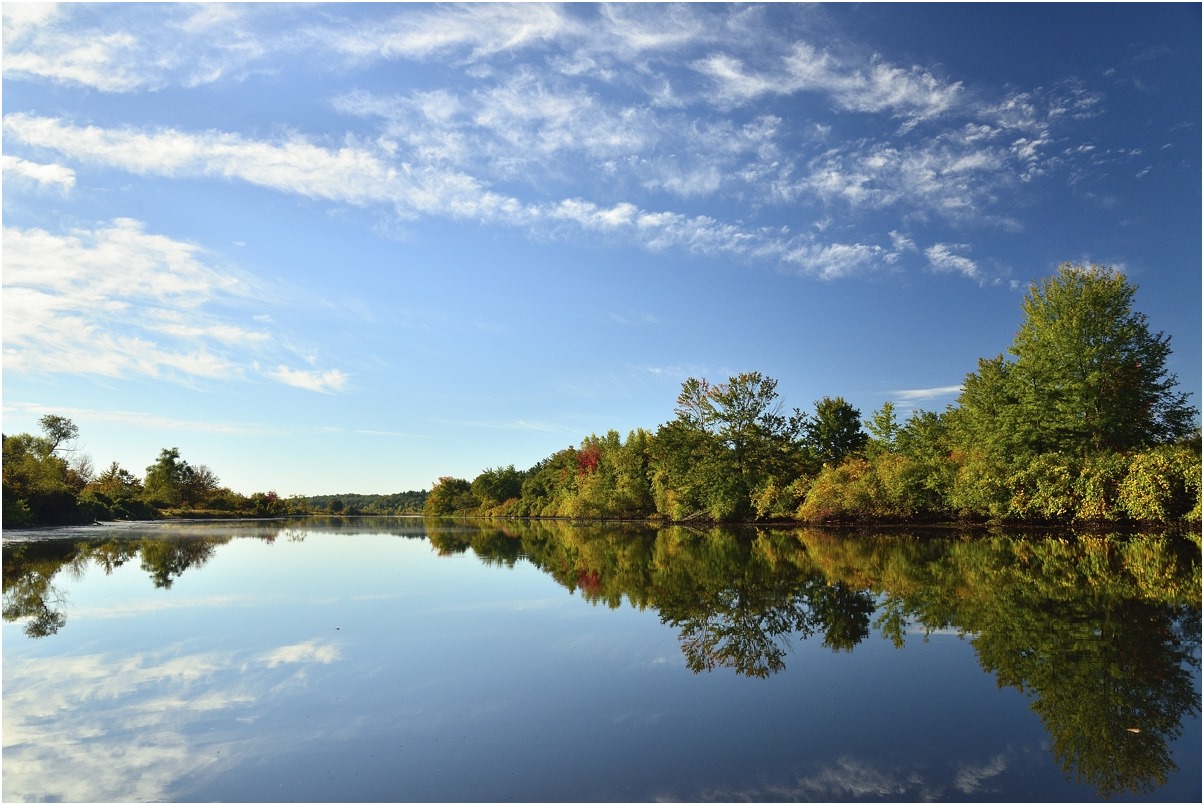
x=1088 y=374
x=729 y=441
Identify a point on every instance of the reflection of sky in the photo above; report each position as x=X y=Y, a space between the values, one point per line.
x=850 y=778
x=97 y=727
x=369 y=668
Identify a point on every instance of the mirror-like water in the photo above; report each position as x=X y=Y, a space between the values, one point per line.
x=411 y=660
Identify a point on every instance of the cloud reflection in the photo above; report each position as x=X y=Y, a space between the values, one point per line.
x=849 y=778
x=102 y=728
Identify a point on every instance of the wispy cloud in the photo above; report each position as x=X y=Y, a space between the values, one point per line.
x=634 y=103
x=118 y=301
x=469 y=32
x=920 y=395
x=141 y=419
x=313 y=380
x=908 y=92
x=361 y=173
x=309 y=651
x=145 y=705
x=119 y=50
x=944 y=257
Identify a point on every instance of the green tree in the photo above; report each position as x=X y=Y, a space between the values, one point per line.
x=450 y=496
x=59 y=432
x=1088 y=374
x=40 y=486
x=883 y=430
x=167 y=478
x=494 y=487
x=729 y=443
x=834 y=431
x=117 y=482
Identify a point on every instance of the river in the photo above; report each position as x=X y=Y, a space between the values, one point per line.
x=408 y=659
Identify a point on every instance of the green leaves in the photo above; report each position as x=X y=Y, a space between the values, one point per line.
x=1088 y=375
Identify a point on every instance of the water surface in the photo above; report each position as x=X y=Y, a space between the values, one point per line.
x=410 y=660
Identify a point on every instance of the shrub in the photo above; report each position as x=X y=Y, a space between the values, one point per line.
x=1162 y=485
x=980 y=485
x=840 y=492
x=1098 y=487
x=1044 y=488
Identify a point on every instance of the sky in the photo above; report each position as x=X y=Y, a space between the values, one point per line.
x=354 y=248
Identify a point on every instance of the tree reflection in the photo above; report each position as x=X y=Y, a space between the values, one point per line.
x=735 y=607
x=166 y=559
x=1100 y=632
x=1111 y=680
x=30 y=594
x=29 y=590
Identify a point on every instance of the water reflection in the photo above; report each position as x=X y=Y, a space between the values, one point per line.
x=1100 y=632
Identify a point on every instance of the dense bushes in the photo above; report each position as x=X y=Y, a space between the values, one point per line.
x=1157 y=485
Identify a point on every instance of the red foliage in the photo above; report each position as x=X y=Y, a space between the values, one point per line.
x=589 y=582
x=588 y=458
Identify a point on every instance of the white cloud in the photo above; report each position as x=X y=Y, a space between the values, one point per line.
x=912 y=93
x=306 y=652
x=469 y=31
x=37 y=173
x=313 y=380
x=971 y=777
x=95 y=728
x=916 y=395
x=118 y=301
x=943 y=257
x=141 y=419
x=361 y=173
x=123 y=50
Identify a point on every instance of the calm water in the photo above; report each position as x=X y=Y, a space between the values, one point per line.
x=411 y=660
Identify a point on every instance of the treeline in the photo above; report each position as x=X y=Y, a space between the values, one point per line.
x=352 y=504
x=1081 y=423
x=48 y=482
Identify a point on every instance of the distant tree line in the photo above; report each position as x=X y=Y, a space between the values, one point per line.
x=351 y=504
x=48 y=482
x=1081 y=422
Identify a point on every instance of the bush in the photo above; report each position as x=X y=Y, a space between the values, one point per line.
x=1098 y=487
x=840 y=492
x=1162 y=485
x=902 y=484
x=1044 y=488
x=980 y=485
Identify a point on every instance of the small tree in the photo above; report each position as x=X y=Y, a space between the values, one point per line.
x=167 y=478
x=834 y=432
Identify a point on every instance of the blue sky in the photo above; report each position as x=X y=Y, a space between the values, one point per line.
x=352 y=248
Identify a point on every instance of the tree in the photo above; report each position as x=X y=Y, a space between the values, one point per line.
x=834 y=432
x=200 y=484
x=883 y=429
x=117 y=482
x=39 y=485
x=449 y=496
x=728 y=442
x=1088 y=374
x=167 y=478
x=59 y=431
x=494 y=487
